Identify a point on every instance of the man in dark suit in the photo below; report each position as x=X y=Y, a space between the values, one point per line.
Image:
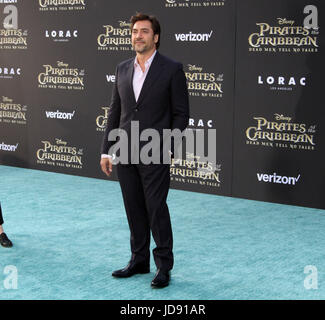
x=152 y=90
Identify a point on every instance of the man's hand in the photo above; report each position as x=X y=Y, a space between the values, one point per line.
x=106 y=165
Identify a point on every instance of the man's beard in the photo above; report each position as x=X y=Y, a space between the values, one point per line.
x=142 y=48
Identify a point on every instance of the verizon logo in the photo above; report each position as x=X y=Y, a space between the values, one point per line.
x=193 y=36
x=59 y=115
x=110 y=78
x=274 y=178
x=8 y=147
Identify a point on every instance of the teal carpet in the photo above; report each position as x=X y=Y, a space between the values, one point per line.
x=70 y=233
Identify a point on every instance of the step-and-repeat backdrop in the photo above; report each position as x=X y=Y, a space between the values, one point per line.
x=254 y=75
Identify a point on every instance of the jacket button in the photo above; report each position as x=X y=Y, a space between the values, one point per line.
x=136 y=109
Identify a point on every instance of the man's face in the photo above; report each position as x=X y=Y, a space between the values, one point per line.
x=143 y=38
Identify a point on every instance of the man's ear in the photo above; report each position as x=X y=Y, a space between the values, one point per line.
x=156 y=38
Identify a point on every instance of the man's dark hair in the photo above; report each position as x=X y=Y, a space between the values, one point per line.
x=154 y=23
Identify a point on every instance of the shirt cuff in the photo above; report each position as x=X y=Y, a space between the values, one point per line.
x=106 y=156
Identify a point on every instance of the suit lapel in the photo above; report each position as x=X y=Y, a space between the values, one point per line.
x=153 y=73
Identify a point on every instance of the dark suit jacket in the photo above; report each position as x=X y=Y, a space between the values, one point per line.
x=162 y=103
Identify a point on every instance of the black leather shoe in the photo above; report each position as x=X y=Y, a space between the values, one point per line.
x=161 y=279
x=4 y=241
x=131 y=269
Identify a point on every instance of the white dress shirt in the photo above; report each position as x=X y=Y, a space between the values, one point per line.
x=139 y=76
x=138 y=79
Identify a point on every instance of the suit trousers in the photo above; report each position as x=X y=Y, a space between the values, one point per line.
x=1 y=219
x=145 y=189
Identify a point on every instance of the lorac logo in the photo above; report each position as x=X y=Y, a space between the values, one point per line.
x=101 y=120
x=281 y=83
x=61 y=77
x=61 y=5
x=59 y=154
x=9 y=72
x=201 y=83
x=193 y=4
x=197 y=124
x=115 y=37
x=281 y=132
x=61 y=35
x=11 y=112
x=284 y=36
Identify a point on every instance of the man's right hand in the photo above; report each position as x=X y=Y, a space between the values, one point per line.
x=107 y=165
